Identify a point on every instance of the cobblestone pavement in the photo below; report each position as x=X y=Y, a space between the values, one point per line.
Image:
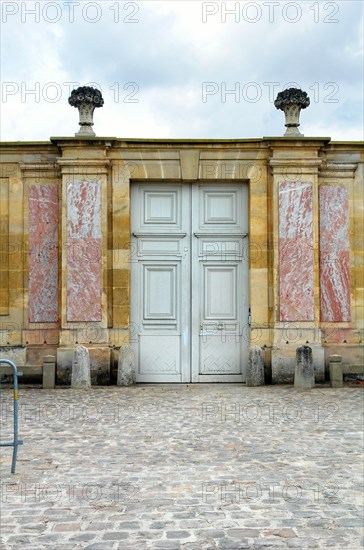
x=190 y=467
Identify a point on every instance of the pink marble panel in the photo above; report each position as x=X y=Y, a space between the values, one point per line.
x=84 y=274
x=43 y=254
x=84 y=209
x=296 y=252
x=334 y=254
x=84 y=259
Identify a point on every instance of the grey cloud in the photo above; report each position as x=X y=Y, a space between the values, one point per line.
x=162 y=57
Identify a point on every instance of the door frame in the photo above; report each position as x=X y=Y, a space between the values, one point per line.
x=190 y=370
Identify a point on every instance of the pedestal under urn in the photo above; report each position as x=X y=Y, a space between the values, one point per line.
x=291 y=101
x=86 y=99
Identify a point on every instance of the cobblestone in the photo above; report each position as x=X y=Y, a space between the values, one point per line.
x=183 y=467
x=115 y=536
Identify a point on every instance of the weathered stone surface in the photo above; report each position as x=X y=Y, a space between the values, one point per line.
x=36 y=355
x=64 y=365
x=304 y=377
x=16 y=355
x=336 y=372
x=86 y=99
x=126 y=366
x=255 y=370
x=80 y=377
x=351 y=354
x=4 y=246
x=99 y=364
x=291 y=101
x=284 y=363
x=49 y=372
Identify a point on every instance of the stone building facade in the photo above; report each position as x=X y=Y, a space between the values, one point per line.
x=192 y=251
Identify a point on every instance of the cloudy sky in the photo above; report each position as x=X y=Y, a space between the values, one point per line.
x=186 y=68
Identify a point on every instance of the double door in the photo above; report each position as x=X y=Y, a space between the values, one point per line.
x=189 y=282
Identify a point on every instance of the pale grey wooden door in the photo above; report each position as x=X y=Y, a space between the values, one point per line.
x=160 y=282
x=220 y=283
x=189 y=282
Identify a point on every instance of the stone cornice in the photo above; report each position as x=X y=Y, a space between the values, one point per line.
x=337 y=170
x=83 y=162
x=33 y=169
x=38 y=166
x=295 y=162
x=297 y=166
x=296 y=141
x=83 y=167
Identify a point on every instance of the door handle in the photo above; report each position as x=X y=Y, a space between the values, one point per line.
x=220 y=326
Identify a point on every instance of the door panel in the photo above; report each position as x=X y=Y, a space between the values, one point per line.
x=160 y=208
x=220 y=292
x=219 y=354
x=160 y=293
x=219 y=283
x=159 y=267
x=159 y=357
x=190 y=282
x=217 y=209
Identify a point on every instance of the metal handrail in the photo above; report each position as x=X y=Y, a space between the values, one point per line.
x=16 y=441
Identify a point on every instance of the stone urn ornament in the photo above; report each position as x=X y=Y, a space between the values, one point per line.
x=291 y=101
x=86 y=99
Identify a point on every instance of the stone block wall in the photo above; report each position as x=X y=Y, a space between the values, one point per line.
x=65 y=251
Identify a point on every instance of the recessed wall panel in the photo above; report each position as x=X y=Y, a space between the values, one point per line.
x=296 y=290
x=334 y=254
x=43 y=253
x=84 y=258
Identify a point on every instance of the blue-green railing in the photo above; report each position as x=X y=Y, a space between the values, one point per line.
x=16 y=442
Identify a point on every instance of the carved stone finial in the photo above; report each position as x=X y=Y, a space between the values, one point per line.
x=86 y=99
x=291 y=101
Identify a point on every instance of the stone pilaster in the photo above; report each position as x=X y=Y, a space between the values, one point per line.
x=84 y=225
x=120 y=255
x=341 y=246
x=296 y=293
